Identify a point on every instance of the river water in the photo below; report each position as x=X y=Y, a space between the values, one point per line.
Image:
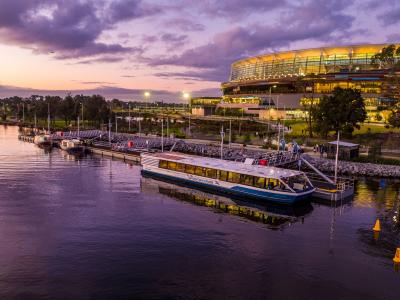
x=93 y=228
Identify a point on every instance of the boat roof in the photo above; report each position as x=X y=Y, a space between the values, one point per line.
x=233 y=166
x=344 y=144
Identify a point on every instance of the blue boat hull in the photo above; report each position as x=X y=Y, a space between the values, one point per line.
x=237 y=191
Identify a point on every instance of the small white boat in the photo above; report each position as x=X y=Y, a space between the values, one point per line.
x=239 y=179
x=72 y=146
x=42 y=141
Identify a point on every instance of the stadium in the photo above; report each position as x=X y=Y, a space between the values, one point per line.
x=287 y=79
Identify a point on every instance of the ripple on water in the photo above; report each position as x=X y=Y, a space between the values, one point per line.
x=92 y=228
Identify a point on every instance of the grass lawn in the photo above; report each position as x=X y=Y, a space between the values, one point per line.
x=374 y=128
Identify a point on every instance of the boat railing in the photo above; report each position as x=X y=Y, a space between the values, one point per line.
x=342 y=184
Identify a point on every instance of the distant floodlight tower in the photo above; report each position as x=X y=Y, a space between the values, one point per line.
x=186 y=96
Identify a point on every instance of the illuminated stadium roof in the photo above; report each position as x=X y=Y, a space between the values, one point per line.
x=304 y=62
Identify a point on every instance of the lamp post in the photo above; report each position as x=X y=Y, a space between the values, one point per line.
x=116 y=124
x=147 y=96
x=140 y=127
x=230 y=132
x=186 y=96
x=167 y=126
x=129 y=117
x=23 y=111
x=109 y=132
x=162 y=134
x=222 y=141
x=83 y=120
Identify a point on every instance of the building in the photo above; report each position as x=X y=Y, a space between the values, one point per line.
x=287 y=79
x=204 y=106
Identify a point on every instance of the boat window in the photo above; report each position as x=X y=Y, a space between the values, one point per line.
x=211 y=173
x=233 y=177
x=172 y=165
x=222 y=175
x=199 y=171
x=189 y=169
x=298 y=182
x=246 y=179
x=272 y=183
x=180 y=167
x=259 y=182
x=163 y=164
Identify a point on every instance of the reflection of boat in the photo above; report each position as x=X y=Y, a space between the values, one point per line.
x=253 y=181
x=73 y=146
x=268 y=213
x=43 y=141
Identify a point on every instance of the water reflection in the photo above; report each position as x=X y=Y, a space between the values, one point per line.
x=275 y=216
x=93 y=228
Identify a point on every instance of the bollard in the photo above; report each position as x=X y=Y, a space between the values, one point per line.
x=396 y=257
x=377 y=226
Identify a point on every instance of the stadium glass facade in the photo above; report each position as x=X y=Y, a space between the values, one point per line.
x=294 y=75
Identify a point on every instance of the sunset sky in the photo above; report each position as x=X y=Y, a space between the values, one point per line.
x=121 y=48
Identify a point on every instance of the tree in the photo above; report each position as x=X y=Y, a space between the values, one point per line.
x=386 y=58
x=66 y=109
x=342 y=111
x=394 y=119
x=305 y=84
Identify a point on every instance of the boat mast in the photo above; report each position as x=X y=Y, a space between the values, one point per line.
x=48 y=117
x=78 y=127
x=109 y=131
x=337 y=156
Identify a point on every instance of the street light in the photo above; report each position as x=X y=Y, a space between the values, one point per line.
x=147 y=96
x=116 y=124
x=83 y=120
x=186 y=96
x=222 y=141
x=129 y=117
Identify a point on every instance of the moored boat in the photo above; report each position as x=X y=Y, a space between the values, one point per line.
x=72 y=146
x=239 y=179
x=43 y=141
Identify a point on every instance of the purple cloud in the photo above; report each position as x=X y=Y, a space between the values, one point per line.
x=71 y=29
x=184 y=25
x=316 y=20
x=391 y=16
x=173 y=40
x=232 y=9
x=101 y=59
x=122 y=10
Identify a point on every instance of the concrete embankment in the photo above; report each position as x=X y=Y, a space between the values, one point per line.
x=355 y=168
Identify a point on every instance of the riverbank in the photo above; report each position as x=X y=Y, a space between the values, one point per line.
x=354 y=168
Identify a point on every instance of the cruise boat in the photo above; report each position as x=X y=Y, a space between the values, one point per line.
x=238 y=179
x=43 y=141
x=72 y=146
